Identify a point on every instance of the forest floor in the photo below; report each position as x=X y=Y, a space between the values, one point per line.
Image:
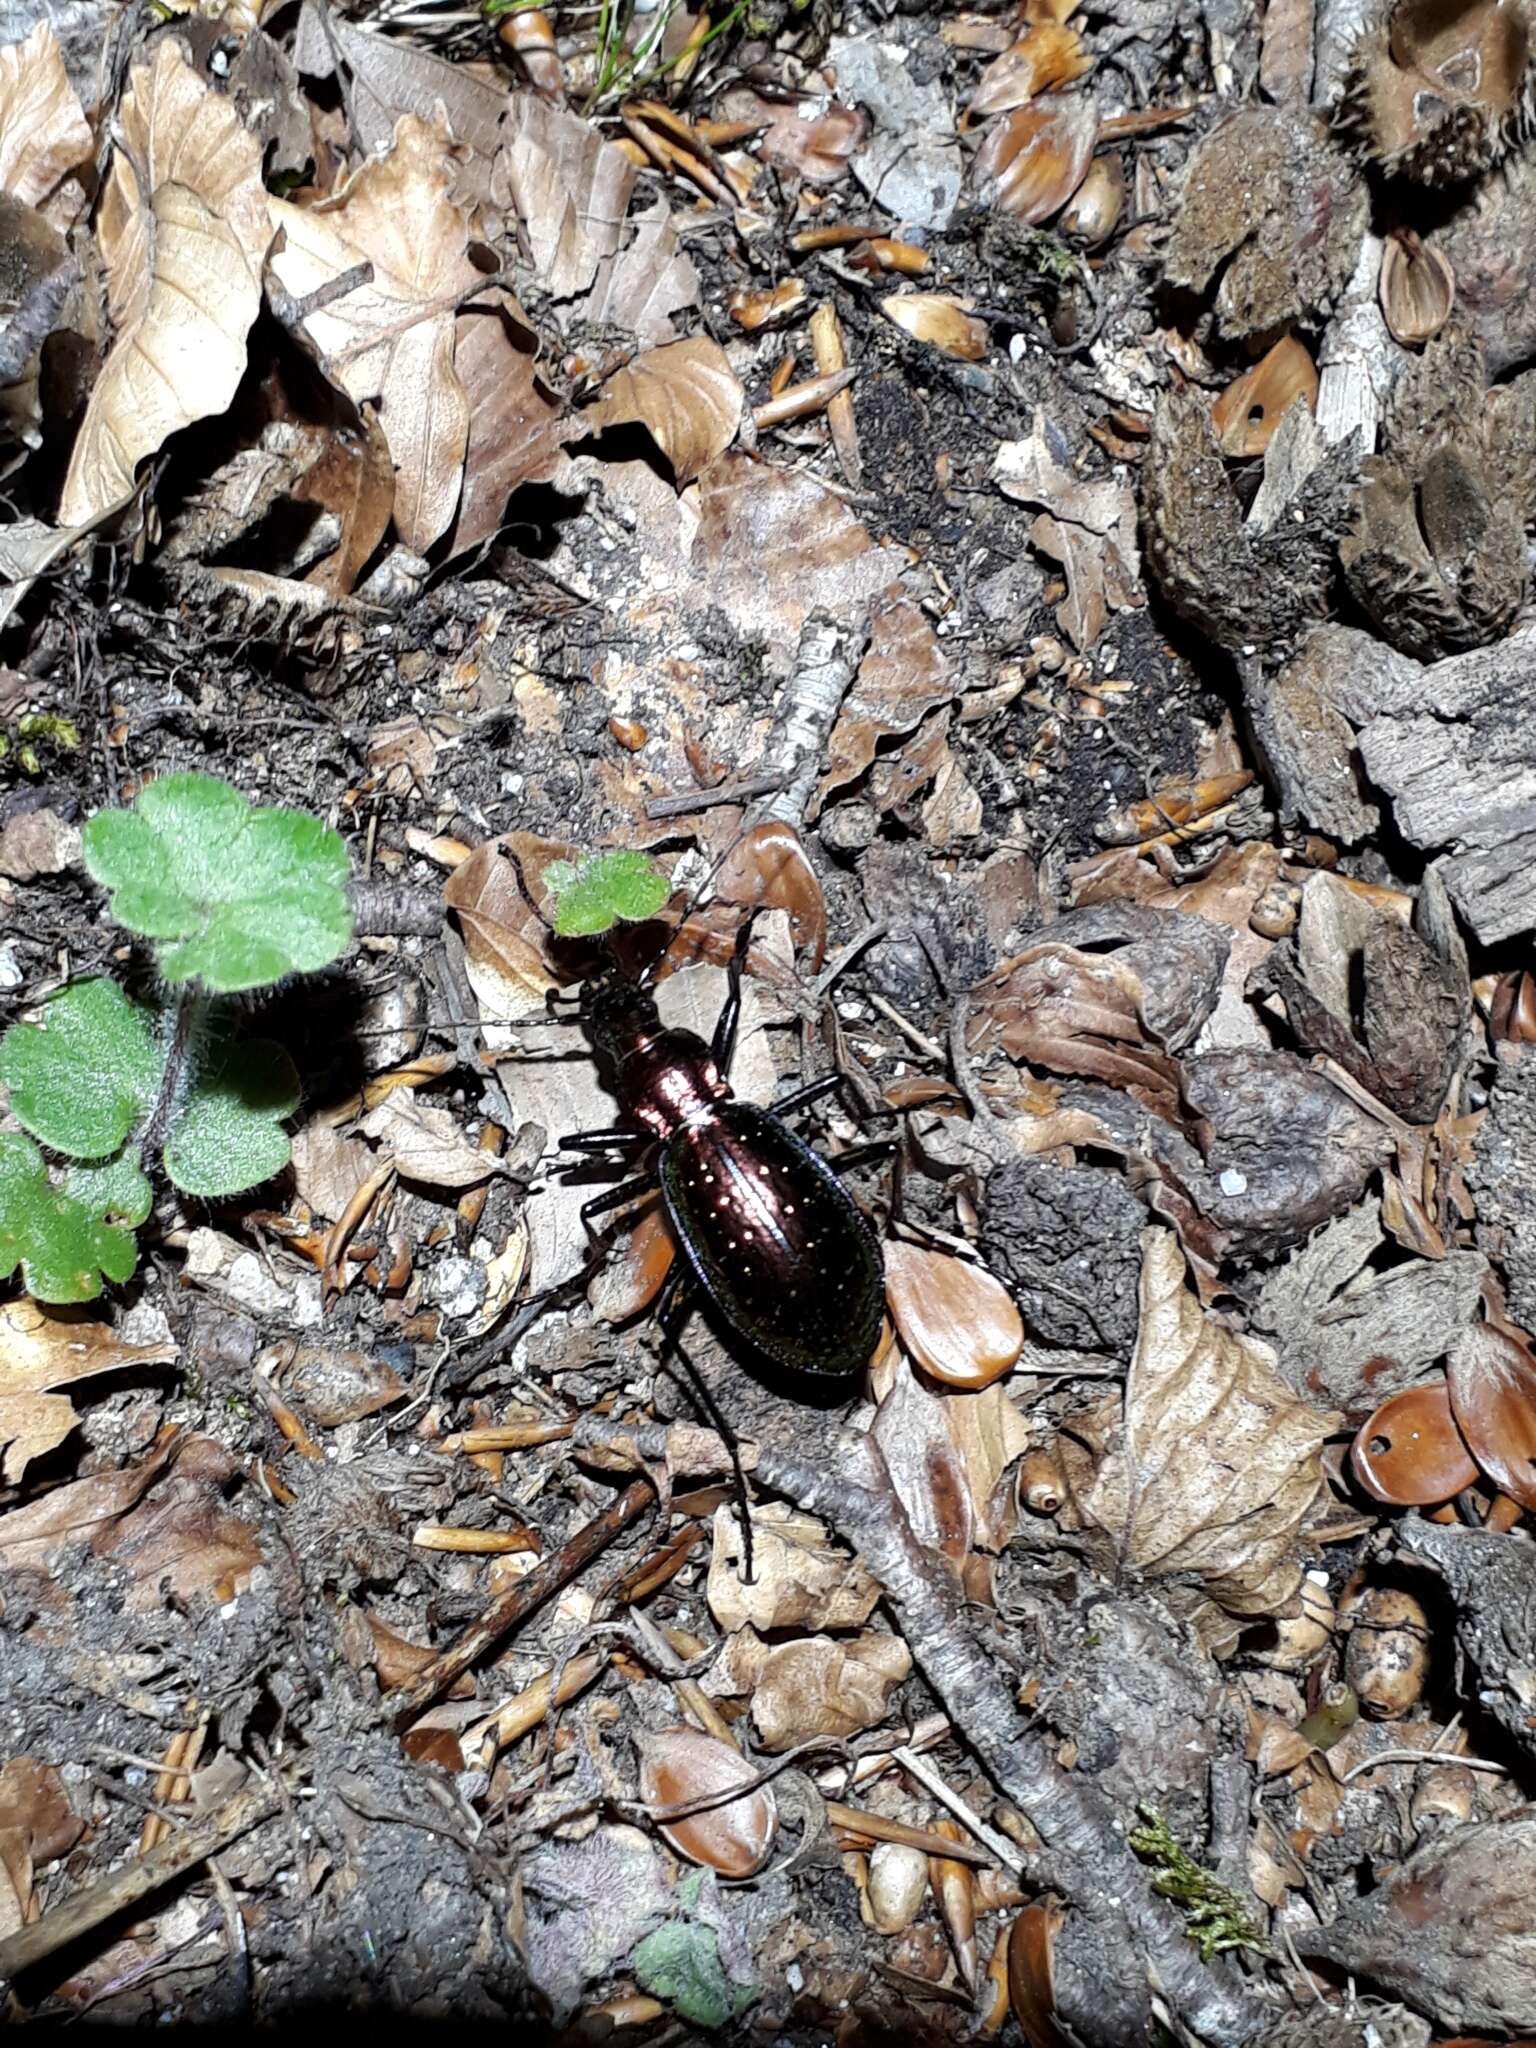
x=1021 y=518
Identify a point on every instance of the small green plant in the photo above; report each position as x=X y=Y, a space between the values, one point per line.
x=604 y=889
x=35 y=738
x=681 y=1963
x=1215 y=1918
x=232 y=898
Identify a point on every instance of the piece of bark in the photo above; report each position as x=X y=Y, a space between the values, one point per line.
x=1502 y=1178
x=1460 y=769
x=1349 y=1335
x=1451 y=1930
x=1067 y=1239
x=1492 y=1575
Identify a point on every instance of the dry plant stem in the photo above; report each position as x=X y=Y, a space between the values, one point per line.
x=800 y=401
x=826 y=662
x=520 y=1600
x=194 y=1843
x=831 y=356
x=1128 y=1930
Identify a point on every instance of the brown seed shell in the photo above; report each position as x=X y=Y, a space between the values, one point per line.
x=681 y=1764
x=1247 y=413
x=1416 y=287
x=1410 y=1452
x=1492 y=1385
x=1034 y=160
x=957 y=1320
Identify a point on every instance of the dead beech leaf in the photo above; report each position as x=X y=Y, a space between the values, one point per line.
x=682 y=1764
x=685 y=393
x=354 y=479
x=768 y=868
x=1087 y=526
x=42 y=1350
x=774 y=546
x=1046 y=56
x=36 y=1534
x=391 y=341
x=956 y=1319
x=424 y=1143
x=904 y=675
x=181 y=1537
x=1217 y=1465
x=948 y=1456
x=816 y=1686
x=801 y=1580
x=44 y=134
x=183 y=262
x=569 y=188
x=819 y=149
x=515 y=431
x=1033 y=160
x=35 y=1800
x=506 y=942
x=329 y=1166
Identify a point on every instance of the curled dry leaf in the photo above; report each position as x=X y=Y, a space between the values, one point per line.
x=1033 y=161
x=768 y=868
x=390 y=341
x=183 y=260
x=949 y=1457
x=958 y=1320
x=44 y=134
x=1492 y=1385
x=41 y=1351
x=801 y=1580
x=1218 y=1465
x=506 y=941
x=939 y=319
x=1247 y=413
x=685 y=393
x=678 y=1765
x=424 y=1142
x=904 y=675
x=816 y=1686
x=516 y=434
x=331 y=1383
x=1045 y=57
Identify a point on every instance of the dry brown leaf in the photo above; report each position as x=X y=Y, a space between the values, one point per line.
x=506 y=942
x=1089 y=527
x=332 y=1384
x=329 y=1166
x=955 y=1318
x=820 y=149
x=44 y=134
x=391 y=341
x=904 y=675
x=515 y=431
x=801 y=1580
x=354 y=479
x=569 y=188
x=1218 y=1464
x=183 y=262
x=948 y=1455
x=36 y=1534
x=816 y=1686
x=181 y=1538
x=1044 y=57
x=775 y=546
x=686 y=394
x=40 y=1351
x=35 y=1800
x=424 y=1143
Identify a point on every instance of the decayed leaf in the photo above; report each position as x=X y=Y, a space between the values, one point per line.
x=1219 y=1463
x=1089 y=527
x=506 y=942
x=36 y=1534
x=948 y=1455
x=41 y=1352
x=685 y=393
x=182 y=1538
x=391 y=341
x=183 y=263
x=814 y=1685
x=425 y=1143
x=904 y=675
x=515 y=431
x=354 y=479
x=43 y=132
x=801 y=1581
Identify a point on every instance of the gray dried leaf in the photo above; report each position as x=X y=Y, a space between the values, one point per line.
x=1351 y=1335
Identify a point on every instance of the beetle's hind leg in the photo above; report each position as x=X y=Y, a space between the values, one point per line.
x=670 y=1312
x=620 y=1197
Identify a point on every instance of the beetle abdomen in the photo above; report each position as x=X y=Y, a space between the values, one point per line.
x=779 y=1245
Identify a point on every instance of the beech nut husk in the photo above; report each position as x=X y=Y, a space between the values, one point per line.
x=1094 y=211
x=1033 y=160
x=1417 y=289
x=1440 y=90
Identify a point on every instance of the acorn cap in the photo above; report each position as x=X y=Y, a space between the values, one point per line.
x=1441 y=90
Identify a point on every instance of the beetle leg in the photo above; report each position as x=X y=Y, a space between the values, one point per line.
x=722 y=1044
x=620 y=1139
x=861 y=1155
x=671 y=1310
x=802 y=1098
x=620 y=1197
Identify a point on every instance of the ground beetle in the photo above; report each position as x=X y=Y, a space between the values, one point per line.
x=764 y=1229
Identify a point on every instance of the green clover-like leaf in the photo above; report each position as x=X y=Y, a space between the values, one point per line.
x=59 y=1236
x=595 y=894
x=228 y=1133
x=82 y=1078
x=234 y=896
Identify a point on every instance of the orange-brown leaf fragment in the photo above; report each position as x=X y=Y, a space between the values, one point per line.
x=958 y=1320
